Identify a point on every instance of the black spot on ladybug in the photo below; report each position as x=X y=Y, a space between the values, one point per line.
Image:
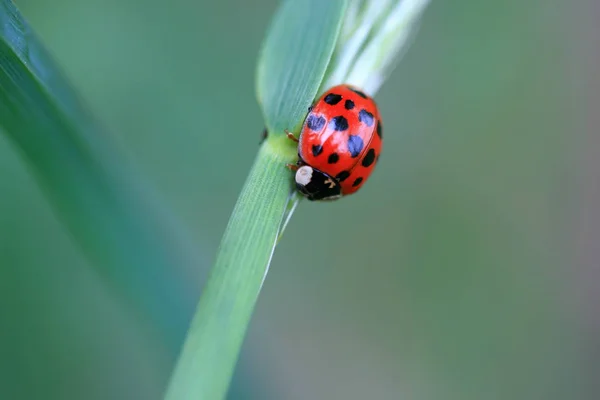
x=355 y=145
x=357 y=182
x=342 y=176
x=332 y=99
x=358 y=92
x=315 y=123
x=369 y=158
x=310 y=108
x=379 y=129
x=365 y=117
x=317 y=149
x=339 y=123
x=349 y=105
x=333 y=158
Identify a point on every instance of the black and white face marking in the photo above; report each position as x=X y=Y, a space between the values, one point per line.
x=316 y=185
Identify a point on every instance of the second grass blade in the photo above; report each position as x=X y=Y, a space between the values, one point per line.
x=130 y=240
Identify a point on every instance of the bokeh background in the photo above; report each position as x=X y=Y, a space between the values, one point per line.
x=465 y=269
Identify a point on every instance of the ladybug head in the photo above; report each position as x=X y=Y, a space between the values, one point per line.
x=317 y=185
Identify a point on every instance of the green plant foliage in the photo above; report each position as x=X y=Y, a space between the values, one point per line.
x=267 y=200
x=294 y=59
x=112 y=215
x=130 y=240
x=217 y=332
x=295 y=62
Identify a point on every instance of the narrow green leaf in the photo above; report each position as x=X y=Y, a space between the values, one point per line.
x=294 y=63
x=211 y=349
x=387 y=42
x=374 y=36
x=132 y=242
x=294 y=59
x=291 y=66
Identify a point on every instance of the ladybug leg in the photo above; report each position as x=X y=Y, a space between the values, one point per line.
x=264 y=135
x=291 y=136
x=294 y=167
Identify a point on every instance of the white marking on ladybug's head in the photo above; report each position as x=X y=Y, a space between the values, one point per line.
x=304 y=175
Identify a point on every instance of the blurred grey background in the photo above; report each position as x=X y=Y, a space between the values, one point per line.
x=465 y=269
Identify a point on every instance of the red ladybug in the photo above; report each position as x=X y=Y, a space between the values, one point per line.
x=339 y=144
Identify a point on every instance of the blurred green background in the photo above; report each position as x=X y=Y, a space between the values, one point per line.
x=463 y=270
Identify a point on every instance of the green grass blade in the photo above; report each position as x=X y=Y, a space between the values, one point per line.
x=211 y=350
x=295 y=62
x=292 y=65
x=394 y=30
x=294 y=59
x=374 y=37
x=132 y=242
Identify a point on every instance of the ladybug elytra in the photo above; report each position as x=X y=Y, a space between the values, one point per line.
x=339 y=144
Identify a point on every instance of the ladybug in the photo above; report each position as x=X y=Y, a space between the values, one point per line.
x=339 y=144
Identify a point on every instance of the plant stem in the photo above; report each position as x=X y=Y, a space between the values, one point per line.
x=217 y=331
